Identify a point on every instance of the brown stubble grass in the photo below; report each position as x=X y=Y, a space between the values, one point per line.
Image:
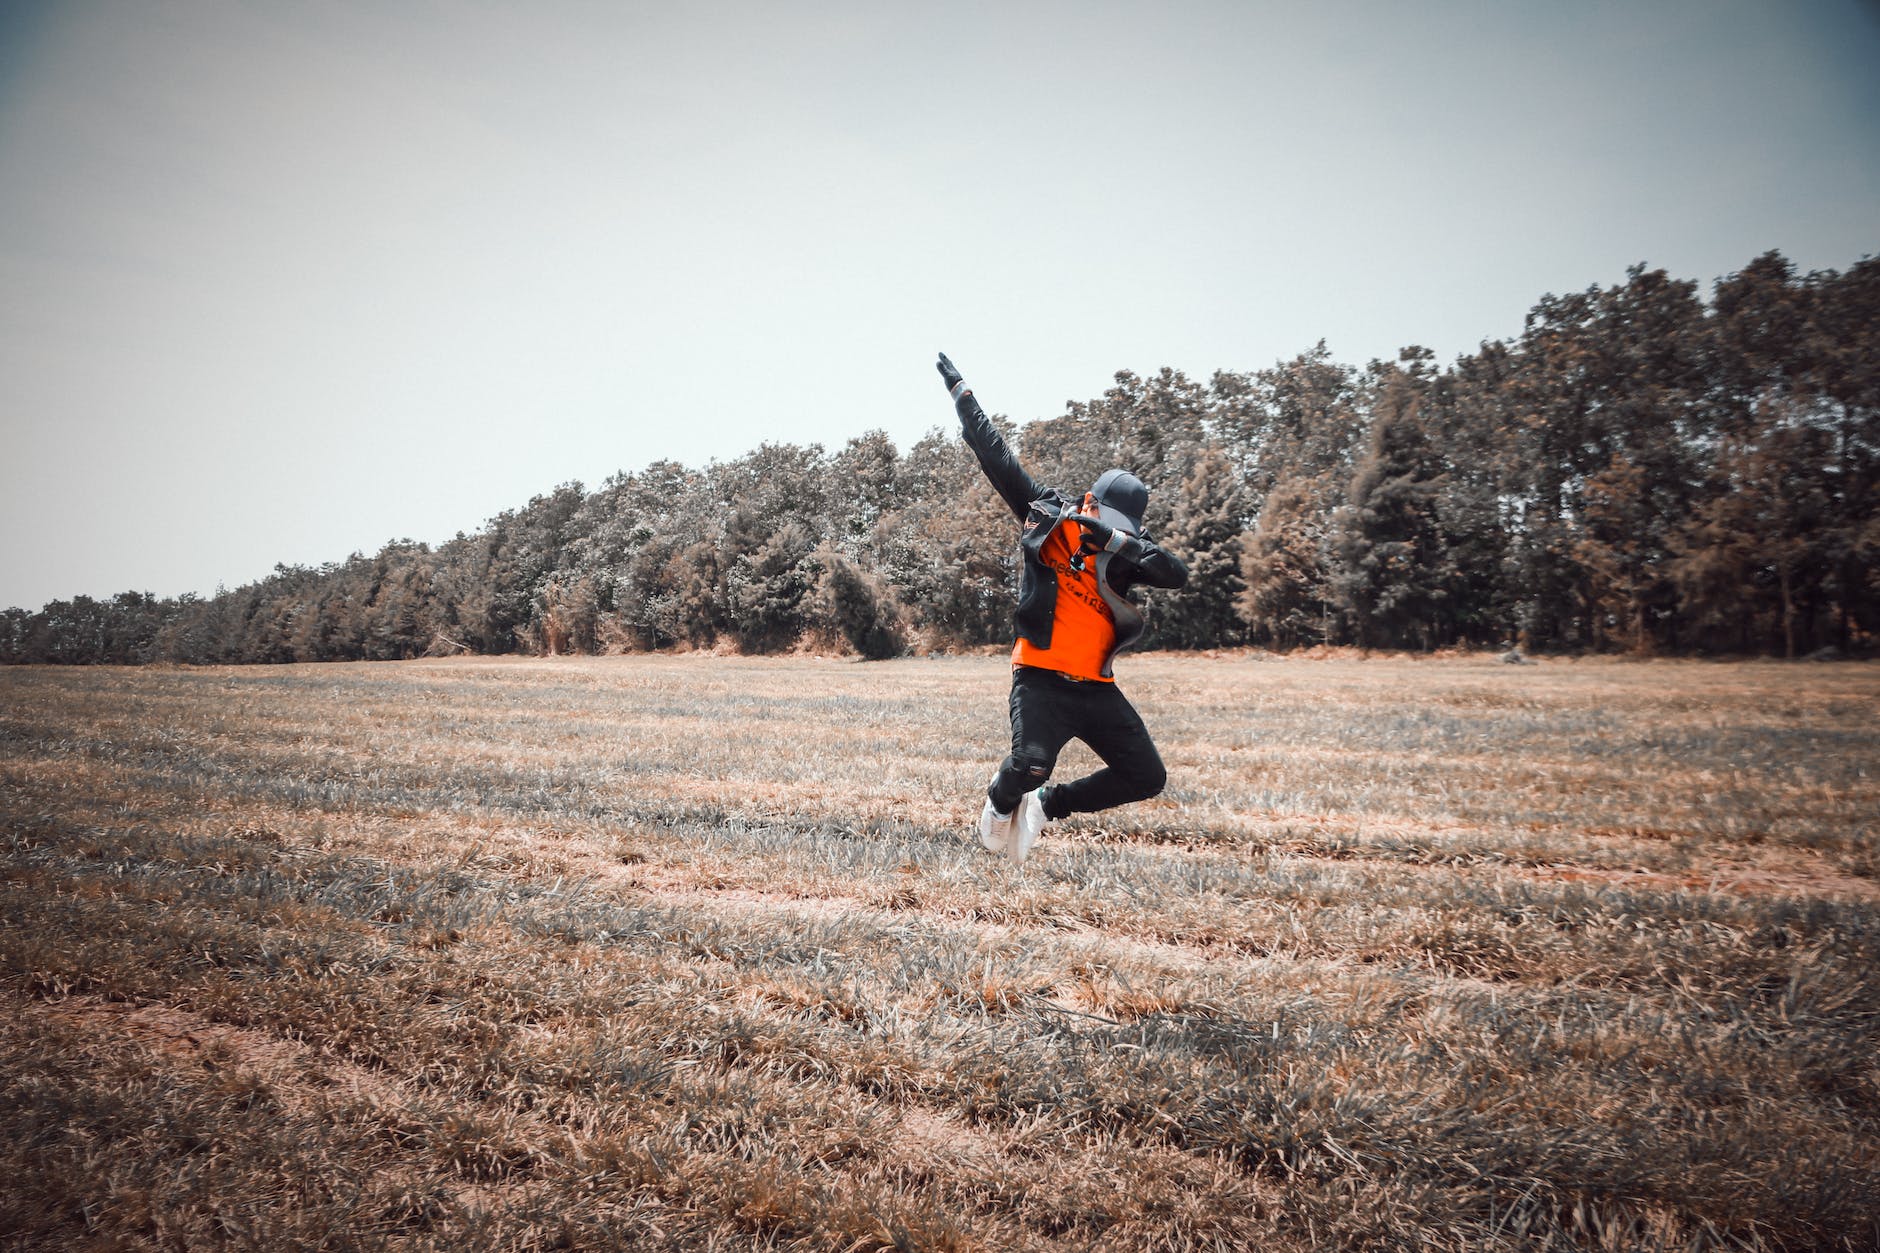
x=696 y=952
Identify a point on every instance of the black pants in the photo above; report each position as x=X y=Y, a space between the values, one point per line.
x=1048 y=711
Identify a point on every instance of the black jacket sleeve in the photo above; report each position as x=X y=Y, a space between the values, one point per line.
x=1153 y=565
x=1017 y=487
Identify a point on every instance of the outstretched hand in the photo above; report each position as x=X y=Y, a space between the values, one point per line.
x=948 y=375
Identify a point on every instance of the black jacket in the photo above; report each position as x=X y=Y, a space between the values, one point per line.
x=1042 y=510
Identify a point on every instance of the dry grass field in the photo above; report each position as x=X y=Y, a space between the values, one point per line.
x=698 y=953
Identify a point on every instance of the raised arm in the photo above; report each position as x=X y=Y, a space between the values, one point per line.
x=1016 y=487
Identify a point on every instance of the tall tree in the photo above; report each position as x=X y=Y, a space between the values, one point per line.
x=1152 y=427
x=1286 y=599
x=525 y=548
x=863 y=484
x=767 y=588
x=1207 y=520
x=1757 y=552
x=948 y=547
x=1844 y=325
x=1301 y=419
x=1602 y=378
x=1394 y=572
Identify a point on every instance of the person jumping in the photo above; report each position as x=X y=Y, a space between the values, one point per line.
x=1080 y=558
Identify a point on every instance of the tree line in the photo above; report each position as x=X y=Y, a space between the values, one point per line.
x=1641 y=470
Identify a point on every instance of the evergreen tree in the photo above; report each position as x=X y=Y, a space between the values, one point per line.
x=1154 y=428
x=1301 y=419
x=767 y=589
x=1393 y=570
x=1286 y=600
x=1206 y=524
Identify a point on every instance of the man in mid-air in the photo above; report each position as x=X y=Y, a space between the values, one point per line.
x=1080 y=558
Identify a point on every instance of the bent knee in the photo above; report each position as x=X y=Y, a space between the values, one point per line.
x=1148 y=778
x=1032 y=768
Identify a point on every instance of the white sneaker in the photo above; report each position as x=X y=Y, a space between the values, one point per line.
x=995 y=828
x=1031 y=820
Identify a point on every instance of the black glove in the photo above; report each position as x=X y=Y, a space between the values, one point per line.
x=1098 y=535
x=948 y=375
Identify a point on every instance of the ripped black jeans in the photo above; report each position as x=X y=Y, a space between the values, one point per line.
x=1048 y=711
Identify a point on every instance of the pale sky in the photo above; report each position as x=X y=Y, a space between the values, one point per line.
x=282 y=281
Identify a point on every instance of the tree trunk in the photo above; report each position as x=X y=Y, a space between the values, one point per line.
x=1637 y=600
x=1788 y=613
x=1844 y=638
x=1844 y=430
